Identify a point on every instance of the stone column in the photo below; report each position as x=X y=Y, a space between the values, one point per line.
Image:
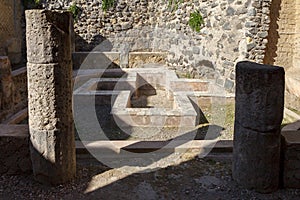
x=258 y=116
x=49 y=70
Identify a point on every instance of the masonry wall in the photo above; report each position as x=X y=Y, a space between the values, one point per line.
x=234 y=30
x=297 y=36
x=11 y=39
x=282 y=33
x=284 y=45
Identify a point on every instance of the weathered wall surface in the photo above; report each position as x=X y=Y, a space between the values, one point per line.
x=234 y=30
x=11 y=39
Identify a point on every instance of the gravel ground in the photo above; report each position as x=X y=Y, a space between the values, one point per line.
x=185 y=176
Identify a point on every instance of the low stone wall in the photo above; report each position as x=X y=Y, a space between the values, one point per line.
x=19 y=77
x=14 y=148
x=10 y=101
x=13 y=89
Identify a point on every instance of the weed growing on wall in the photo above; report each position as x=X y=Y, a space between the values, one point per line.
x=196 y=21
x=75 y=10
x=106 y=4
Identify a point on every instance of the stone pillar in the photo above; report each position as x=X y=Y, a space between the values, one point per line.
x=49 y=70
x=258 y=116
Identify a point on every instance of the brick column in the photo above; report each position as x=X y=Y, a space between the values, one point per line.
x=49 y=67
x=259 y=113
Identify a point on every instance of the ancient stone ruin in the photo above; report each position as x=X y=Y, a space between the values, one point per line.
x=144 y=75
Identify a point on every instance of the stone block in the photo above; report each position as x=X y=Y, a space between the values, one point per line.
x=48 y=36
x=291 y=159
x=256 y=159
x=259 y=96
x=46 y=108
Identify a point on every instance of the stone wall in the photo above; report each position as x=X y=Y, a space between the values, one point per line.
x=284 y=43
x=11 y=39
x=282 y=33
x=19 y=77
x=13 y=89
x=14 y=147
x=297 y=36
x=234 y=30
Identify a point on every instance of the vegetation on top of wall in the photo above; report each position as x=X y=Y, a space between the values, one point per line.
x=32 y=4
x=196 y=21
x=106 y=4
x=75 y=10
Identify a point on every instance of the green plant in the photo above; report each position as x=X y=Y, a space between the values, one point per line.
x=75 y=10
x=106 y=4
x=188 y=75
x=196 y=21
x=173 y=4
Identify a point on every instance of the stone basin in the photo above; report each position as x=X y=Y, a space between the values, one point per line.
x=144 y=98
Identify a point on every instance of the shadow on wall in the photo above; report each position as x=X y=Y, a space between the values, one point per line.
x=98 y=44
x=273 y=35
x=102 y=105
x=94 y=45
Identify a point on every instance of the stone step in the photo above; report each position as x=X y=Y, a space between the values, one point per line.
x=140 y=146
